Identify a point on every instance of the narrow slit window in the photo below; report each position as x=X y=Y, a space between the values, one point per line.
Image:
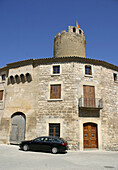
x=80 y=31
x=115 y=76
x=74 y=29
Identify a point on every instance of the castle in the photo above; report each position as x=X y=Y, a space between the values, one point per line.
x=68 y=96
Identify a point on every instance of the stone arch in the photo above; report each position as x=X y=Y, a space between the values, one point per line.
x=22 y=77
x=12 y=80
x=17 y=78
x=28 y=77
x=18 y=123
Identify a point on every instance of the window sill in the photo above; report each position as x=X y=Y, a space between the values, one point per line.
x=52 y=100
x=86 y=75
x=55 y=75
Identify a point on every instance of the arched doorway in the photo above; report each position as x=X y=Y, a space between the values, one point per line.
x=90 y=135
x=18 y=128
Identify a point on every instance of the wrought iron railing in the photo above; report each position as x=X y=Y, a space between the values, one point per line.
x=90 y=102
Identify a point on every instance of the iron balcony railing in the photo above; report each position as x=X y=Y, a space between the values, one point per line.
x=89 y=102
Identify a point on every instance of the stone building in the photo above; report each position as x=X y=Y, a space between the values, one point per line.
x=69 y=95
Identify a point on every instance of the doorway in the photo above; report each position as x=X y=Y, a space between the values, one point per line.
x=18 y=128
x=90 y=135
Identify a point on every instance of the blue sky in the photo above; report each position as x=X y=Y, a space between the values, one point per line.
x=28 y=27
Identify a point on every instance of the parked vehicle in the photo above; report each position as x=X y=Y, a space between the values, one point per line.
x=45 y=143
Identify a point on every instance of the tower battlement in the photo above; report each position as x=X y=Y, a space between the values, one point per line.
x=70 y=43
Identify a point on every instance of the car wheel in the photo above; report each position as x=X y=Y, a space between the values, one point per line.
x=54 y=150
x=25 y=147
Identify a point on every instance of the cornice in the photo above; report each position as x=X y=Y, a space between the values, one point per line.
x=36 y=62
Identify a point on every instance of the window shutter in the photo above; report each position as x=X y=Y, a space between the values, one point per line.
x=55 y=91
x=89 y=96
x=1 y=94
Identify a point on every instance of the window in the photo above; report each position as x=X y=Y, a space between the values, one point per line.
x=17 y=78
x=54 y=129
x=1 y=94
x=22 y=77
x=115 y=76
x=80 y=31
x=88 y=70
x=39 y=139
x=74 y=29
x=55 y=91
x=12 y=80
x=56 y=69
x=89 y=96
x=28 y=77
x=3 y=77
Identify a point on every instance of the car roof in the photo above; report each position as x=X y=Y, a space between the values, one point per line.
x=48 y=137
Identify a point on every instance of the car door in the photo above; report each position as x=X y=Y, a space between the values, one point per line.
x=37 y=144
x=47 y=144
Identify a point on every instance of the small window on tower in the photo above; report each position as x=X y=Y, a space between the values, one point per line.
x=74 y=29
x=88 y=70
x=115 y=77
x=80 y=31
x=56 y=69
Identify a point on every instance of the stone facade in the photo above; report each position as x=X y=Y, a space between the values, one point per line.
x=27 y=93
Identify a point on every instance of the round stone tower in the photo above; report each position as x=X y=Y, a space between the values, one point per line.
x=71 y=43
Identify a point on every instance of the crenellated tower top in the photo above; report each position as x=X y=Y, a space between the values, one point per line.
x=70 y=43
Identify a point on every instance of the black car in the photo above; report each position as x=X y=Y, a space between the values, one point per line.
x=45 y=143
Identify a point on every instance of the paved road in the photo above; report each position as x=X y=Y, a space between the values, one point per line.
x=11 y=158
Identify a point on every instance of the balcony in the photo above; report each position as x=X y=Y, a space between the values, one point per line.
x=90 y=103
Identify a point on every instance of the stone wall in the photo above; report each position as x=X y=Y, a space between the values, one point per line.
x=33 y=99
x=69 y=44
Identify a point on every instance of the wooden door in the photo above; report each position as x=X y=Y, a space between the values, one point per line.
x=18 y=129
x=90 y=135
x=89 y=96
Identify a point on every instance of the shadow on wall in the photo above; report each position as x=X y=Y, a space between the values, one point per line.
x=20 y=78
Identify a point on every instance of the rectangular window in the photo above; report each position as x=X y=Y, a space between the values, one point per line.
x=55 y=91
x=56 y=69
x=88 y=70
x=54 y=129
x=3 y=77
x=1 y=94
